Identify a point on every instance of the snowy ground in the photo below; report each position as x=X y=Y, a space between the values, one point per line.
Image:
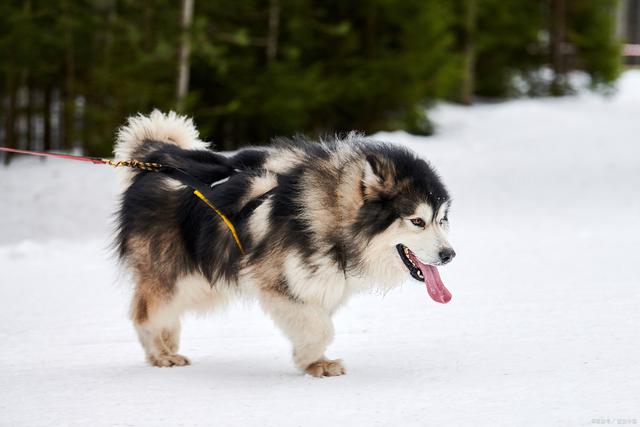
x=544 y=327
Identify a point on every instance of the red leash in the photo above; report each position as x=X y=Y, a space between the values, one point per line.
x=147 y=166
x=93 y=160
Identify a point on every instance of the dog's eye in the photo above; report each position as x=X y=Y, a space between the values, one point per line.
x=444 y=221
x=418 y=222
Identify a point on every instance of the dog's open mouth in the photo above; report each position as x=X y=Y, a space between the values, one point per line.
x=424 y=273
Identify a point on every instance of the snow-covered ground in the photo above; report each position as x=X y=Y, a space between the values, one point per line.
x=543 y=329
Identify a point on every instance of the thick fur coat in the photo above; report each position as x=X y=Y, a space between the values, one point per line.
x=319 y=221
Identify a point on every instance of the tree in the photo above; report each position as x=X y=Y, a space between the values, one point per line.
x=254 y=69
x=185 y=51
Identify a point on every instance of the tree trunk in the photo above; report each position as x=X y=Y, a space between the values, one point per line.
x=468 y=52
x=29 y=95
x=29 y=112
x=10 y=117
x=185 y=52
x=274 y=29
x=69 y=98
x=46 y=113
x=633 y=28
x=557 y=39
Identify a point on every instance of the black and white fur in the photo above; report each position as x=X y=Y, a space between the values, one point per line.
x=319 y=221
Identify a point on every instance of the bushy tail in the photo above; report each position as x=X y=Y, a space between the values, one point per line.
x=170 y=128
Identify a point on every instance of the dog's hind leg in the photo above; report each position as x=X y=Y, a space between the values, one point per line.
x=310 y=330
x=157 y=324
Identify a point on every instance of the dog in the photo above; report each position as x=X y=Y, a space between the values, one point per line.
x=318 y=222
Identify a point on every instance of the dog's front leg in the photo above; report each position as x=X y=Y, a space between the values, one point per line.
x=310 y=330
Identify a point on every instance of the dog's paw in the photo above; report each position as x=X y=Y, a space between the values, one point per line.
x=326 y=368
x=168 y=360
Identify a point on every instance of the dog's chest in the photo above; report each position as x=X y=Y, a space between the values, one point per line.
x=317 y=281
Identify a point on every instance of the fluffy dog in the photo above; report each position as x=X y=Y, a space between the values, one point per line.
x=319 y=221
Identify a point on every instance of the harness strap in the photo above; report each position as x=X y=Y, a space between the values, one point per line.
x=199 y=189
x=224 y=218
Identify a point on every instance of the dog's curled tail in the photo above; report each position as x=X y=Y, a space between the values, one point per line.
x=170 y=128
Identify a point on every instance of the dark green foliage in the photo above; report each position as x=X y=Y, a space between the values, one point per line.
x=320 y=67
x=508 y=43
x=593 y=32
x=340 y=65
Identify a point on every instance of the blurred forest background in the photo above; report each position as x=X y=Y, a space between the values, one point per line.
x=71 y=71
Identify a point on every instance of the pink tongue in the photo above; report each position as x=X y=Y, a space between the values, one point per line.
x=435 y=287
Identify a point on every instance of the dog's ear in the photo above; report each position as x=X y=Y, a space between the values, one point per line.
x=378 y=178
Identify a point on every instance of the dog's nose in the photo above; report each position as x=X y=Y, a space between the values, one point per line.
x=446 y=255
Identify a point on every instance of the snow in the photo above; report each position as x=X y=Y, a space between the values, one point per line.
x=542 y=328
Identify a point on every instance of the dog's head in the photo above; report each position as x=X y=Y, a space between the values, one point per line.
x=404 y=219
